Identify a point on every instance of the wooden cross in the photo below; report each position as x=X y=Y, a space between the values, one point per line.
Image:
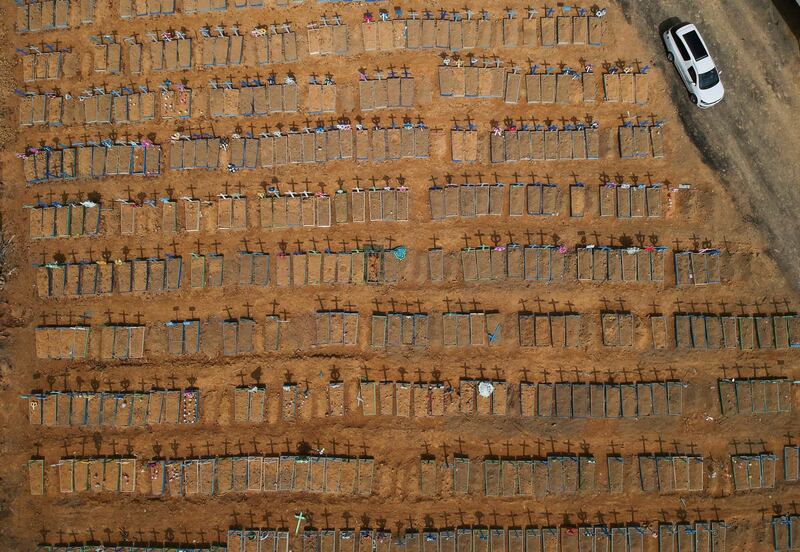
x=613 y=446
x=216 y=245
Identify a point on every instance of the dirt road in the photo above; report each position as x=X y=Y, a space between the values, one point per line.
x=751 y=138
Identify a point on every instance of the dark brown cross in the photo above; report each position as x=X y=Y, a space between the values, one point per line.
x=613 y=447
x=215 y=244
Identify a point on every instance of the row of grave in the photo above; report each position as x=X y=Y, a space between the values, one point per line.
x=129 y=105
x=320 y=145
x=50 y=15
x=560 y=474
x=702 y=536
x=167 y=54
x=108 y=108
x=318 y=209
x=566 y=400
x=485 y=397
x=114 y=409
x=143 y=8
x=139 y=105
x=174 y=51
x=452 y=31
x=208 y=475
x=407 y=141
x=109 y=158
x=278 y=44
x=49 y=164
x=321 y=210
x=457 y=33
x=385 y=398
x=540 y=87
x=548 y=263
x=683 y=536
x=554 y=474
x=370 y=266
x=238 y=336
x=224 y=212
x=544 y=199
x=571 y=142
x=156 y=275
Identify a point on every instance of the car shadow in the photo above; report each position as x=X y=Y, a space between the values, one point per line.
x=668 y=24
x=663 y=27
x=790 y=12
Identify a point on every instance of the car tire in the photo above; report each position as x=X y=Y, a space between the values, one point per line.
x=670 y=57
x=693 y=99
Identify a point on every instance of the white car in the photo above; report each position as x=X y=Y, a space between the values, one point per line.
x=687 y=50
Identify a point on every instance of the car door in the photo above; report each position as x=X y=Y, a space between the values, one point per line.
x=691 y=73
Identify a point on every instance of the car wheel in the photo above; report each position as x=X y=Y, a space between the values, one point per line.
x=670 y=57
x=693 y=99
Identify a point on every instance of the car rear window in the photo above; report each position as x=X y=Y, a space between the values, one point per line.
x=708 y=79
x=695 y=45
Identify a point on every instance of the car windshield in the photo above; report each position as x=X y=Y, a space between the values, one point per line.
x=708 y=79
x=695 y=45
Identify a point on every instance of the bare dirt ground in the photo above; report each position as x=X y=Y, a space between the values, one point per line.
x=710 y=198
